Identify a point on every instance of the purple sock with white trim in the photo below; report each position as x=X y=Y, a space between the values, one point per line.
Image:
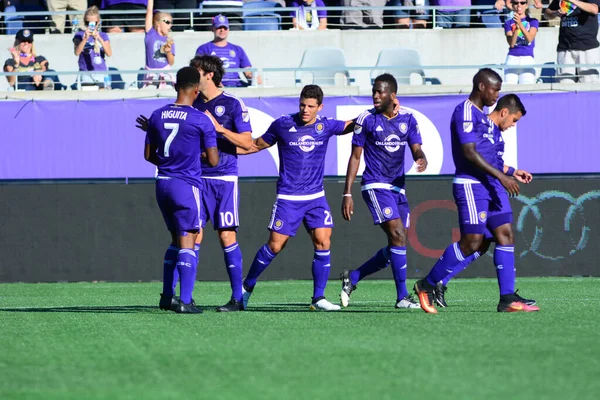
x=233 y=262
x=452 y=259
x=186 y=260
x=399 y=266
x=504 y=260
x=321 y=267
x=261 y=261
x=379 y=261
x=169 y=271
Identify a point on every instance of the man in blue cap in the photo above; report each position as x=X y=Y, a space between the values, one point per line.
x=233 y=56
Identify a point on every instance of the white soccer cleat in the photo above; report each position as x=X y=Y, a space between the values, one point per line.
x=347 y=288
x=245 y=297
x=408 y=302
x=325 y=305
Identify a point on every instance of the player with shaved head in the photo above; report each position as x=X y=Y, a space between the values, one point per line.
x=480 y=192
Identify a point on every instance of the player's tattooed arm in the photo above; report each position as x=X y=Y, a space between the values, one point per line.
x=257 y=145
x=419 y=157
x=351 y=172
x=471 y=154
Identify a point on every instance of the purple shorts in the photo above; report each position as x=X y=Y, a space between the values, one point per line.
x=288 y=214
x=387 y=205
x=220 y=201
x=179 y=203
x=481 y=207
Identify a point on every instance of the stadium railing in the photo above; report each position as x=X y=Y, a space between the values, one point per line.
x=287 y=75
x=38 y=21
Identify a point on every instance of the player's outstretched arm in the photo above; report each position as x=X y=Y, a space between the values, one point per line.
x=142 y=123
x=212 y=156
x=257 y=145
x=419 y=157
x=473 y=156
x=351 y=172
x=242 y=139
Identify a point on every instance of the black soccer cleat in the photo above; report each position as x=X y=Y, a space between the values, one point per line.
x=529 y=302
x=232 y=305
x=439 y=293
x=190 y=308
x=347 y=287
x=168 y=303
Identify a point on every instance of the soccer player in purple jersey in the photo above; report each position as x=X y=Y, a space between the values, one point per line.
x=220 y=196
x=508 y=111
x=302 y=140
x=177 y=134
x=480 y=193
x=383 y=133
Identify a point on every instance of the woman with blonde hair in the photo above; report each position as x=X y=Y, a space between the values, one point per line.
x=92 y=46
x=160 y=49
x=24 y=59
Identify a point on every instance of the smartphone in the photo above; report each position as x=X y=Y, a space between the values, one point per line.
x=92 y=25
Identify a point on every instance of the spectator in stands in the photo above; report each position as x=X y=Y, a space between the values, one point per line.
x=234 y=15
x=307 y=17
x=24 y=59
x=520 y=34
x=577 y=38
x=407 y=18
x=64 y=5
x=455 y=16
x=353 y=19
x=92 y=46
x=115 y=23
x=232 y=56
x=160 y=49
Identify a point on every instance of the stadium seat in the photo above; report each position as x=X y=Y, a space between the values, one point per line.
x=548 y=74
x=331 y=58
x=388 y=59
x=256 y=6
x=262 y=22
x=12 y=23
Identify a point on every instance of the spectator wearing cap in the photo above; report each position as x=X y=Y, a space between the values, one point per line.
x=160 y=48
x=307 y=17
x=233 y=56
x=24 y=59
x=92 y=46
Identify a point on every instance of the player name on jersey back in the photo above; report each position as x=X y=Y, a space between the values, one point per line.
x=174 y=114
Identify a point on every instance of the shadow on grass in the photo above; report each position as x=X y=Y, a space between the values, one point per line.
x=86 y=309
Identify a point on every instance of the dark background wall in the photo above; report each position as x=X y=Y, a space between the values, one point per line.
x=73 y=231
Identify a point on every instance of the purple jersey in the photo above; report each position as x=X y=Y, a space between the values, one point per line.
x=231 y=112
x=469 y=124
x=302 y=150
x=155 y=58
x=89 y=59
x=498 y=146
x=232 y=56
x=180 y=133
x=522 y=47
x=384 y=141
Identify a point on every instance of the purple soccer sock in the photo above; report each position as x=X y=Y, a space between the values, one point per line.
x=186 y=259
x=504 y=260
x=169 y=271
x=464 y=264
x=320 y=271
x=376 y=263
x=261 y=261
x=398 y=256
x=452 y=259
x=233 y=261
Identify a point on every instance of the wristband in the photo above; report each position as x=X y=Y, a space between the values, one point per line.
x=511 y=171
x=347 y=195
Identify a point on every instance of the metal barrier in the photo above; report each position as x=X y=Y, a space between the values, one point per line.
x=197 y=18
x=134 y=84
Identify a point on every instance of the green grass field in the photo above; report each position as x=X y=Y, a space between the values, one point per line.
x=110 y=341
